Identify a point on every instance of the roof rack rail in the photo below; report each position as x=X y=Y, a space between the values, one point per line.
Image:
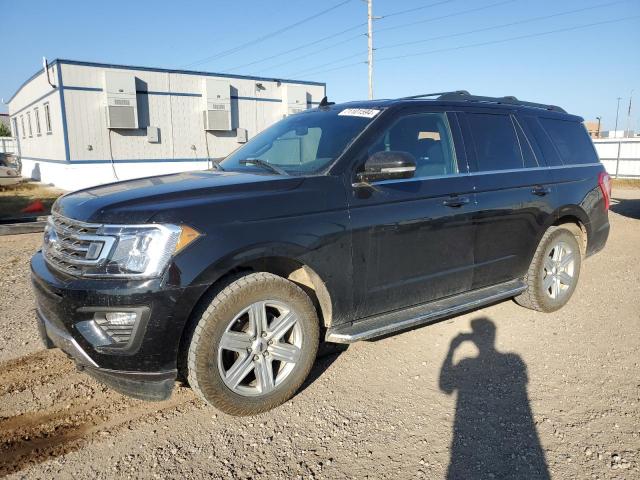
x=464 y=96
x=438 y=94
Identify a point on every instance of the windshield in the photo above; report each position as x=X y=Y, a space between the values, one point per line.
x=301 y=144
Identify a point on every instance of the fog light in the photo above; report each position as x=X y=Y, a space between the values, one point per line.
x=111 y=330
x=121 y=318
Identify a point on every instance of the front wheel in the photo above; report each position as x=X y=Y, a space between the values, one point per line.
x=553 y=275
x=254 y=345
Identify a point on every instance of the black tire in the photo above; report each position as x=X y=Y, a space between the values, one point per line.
x=204 y=374
x=536 y=296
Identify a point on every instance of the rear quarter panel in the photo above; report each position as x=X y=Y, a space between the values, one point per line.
x=580 y=196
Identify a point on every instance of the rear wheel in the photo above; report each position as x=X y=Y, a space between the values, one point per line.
x=254 y=345
x=554 y=271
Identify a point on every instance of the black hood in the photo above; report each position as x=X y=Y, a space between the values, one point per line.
x=139 y=201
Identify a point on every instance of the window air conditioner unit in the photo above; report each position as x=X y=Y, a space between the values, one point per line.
x=294 y=99
x=121 y=105
x=217 y=107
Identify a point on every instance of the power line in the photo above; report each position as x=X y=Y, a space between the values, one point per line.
x=442 y=17
x=468 y=32
x=504 y=25
x=481 y=44
x=519 y=37
x=300 y=47
x=296 y=59
x=225 y=53
x=328 y=37
x=332 y=62
x=411 y=10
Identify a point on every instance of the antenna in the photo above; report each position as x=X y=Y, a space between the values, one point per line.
x=325 y=102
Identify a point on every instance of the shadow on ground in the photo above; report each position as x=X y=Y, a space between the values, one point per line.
x=494 y=435
x=327 y=354
x=626 y=207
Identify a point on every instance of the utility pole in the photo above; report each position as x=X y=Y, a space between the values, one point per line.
x=615 y=130
x=598 y=132
x=629 y=113
x=370 y=39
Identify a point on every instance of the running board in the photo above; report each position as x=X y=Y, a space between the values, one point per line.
x=410 y=317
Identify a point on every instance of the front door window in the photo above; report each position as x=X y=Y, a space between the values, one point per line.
x=427 y=138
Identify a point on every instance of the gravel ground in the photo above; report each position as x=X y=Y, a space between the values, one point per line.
x=553 y=395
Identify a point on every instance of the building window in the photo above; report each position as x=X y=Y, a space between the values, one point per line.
x=15 y=127
x=29 y=124
x=22 y=126
x=36 y=112
x=47 y=118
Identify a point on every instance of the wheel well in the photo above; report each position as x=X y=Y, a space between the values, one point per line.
x=575 y=226
x=295 y=271
x=303 y=276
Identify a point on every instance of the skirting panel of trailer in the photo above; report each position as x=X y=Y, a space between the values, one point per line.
x=80 y=124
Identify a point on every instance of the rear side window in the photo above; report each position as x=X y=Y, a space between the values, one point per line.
x=548 y=154
x=495 y=142
x=571 y=141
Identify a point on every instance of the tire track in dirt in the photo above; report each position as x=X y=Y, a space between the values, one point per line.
x=34 y=433
x=37 y=368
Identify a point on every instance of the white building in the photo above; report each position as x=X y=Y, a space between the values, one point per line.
x=81 y=124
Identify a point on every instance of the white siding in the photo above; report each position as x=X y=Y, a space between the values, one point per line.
x=174 y=105
x=36 y=93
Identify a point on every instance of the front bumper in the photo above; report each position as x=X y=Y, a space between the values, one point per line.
x=154 y=386
x=147 y=371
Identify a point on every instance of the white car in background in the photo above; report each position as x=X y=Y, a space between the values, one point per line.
x=9 y=171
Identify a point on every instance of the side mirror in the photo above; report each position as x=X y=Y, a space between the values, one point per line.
x=388 y=166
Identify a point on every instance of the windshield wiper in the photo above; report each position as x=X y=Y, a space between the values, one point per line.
x=264 y=164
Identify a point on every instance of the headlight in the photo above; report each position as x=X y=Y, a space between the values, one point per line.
x=140 y=251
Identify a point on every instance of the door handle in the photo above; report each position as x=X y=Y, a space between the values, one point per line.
x=455 y=202
x=540 y=190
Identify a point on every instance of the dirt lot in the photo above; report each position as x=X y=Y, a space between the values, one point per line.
x=555 y=395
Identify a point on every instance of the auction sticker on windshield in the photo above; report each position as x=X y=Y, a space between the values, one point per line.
x=360 y=112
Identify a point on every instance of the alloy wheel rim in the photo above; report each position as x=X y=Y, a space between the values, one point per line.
x=260 y=348
x=559 y=270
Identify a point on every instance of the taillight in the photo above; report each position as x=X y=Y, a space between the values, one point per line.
x=605 y=185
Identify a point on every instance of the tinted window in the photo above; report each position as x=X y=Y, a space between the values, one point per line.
x=571 y=140
x=427 y=138
x=549 y=154
x=495 y=142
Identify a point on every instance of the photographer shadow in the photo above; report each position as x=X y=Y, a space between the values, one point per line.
x=494 y=435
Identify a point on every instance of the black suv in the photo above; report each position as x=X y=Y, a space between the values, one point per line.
x=338 y=224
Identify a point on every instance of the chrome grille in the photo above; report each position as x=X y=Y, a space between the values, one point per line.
x=73 y=246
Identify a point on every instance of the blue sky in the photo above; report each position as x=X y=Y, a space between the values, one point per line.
x=583 y=69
